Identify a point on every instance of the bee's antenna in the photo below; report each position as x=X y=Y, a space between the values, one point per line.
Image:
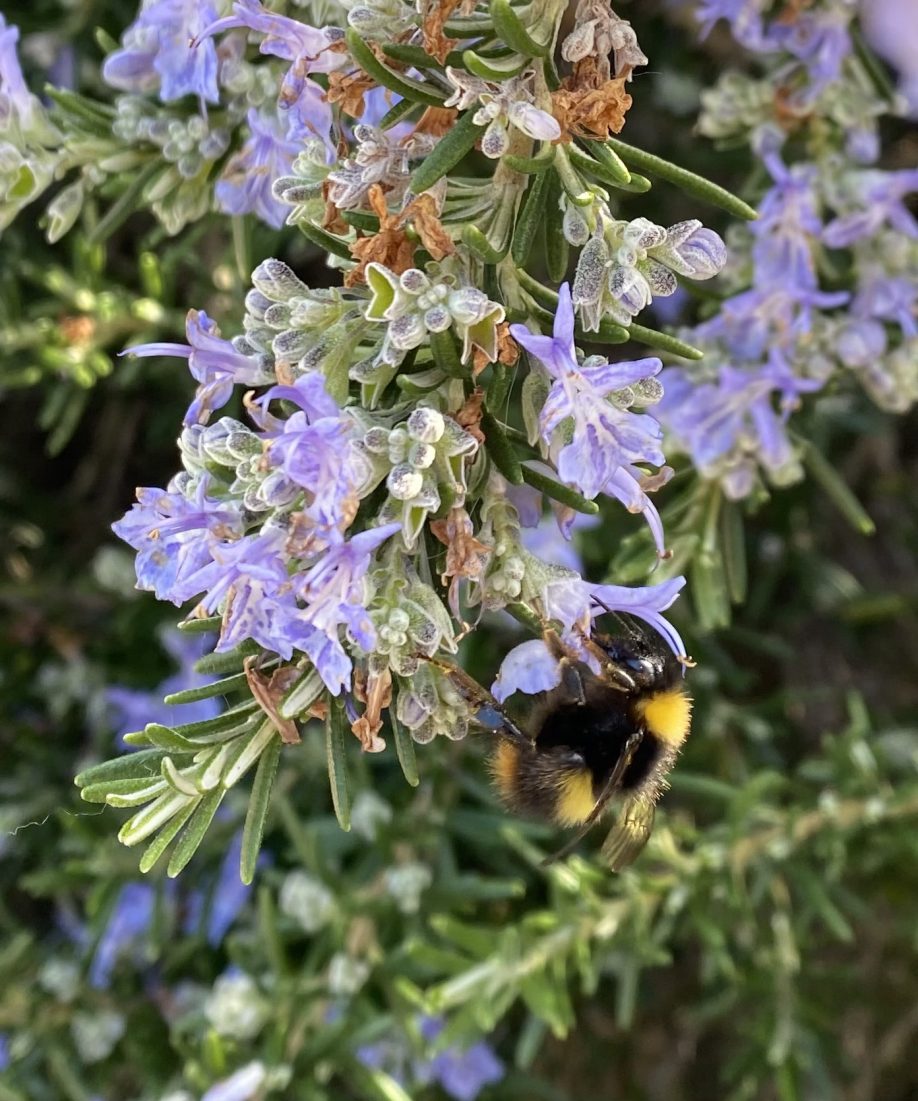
x=624 y=623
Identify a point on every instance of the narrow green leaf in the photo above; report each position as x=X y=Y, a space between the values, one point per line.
x=164 y=838
x=682 y=178
x=125 y=793
x=402 y=110
x=527 y=222
x=512 y=30
x=637 y=185
x=501 y=383
x=477 y=26
x=447 y=153
x=495 y=69
x=166 y=738
x=664 y=341
x=221 y=687
x=326 y=241
x=836 y=490
x=360 y=219
x=446 y=354
x=128 y=767
x=126 y=204
x=199 y=625
x=259 y=803
x=230 y=719
x=482 y=246
x=556 y=247
x=585 y=163
x=418 y=57
x=228 y=662
x=558 y=491
x=733 y=549
x=610 y=161
x=336 y=730
x=193 y=834
x=501 y=450
x=531 y=165
x=571 y=181
x=374 y=1085
x=404 y=749
x=395 y=82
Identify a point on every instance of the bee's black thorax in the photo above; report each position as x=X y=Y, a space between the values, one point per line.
x=597 y=732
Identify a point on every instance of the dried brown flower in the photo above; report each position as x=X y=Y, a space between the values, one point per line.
x=376 y=689
x=392 y=246
x=348 y=89
x=268 y=692
x=436 y=121
x=508 y=351
x=466 y=556
x=588 y=106
x=434 y=14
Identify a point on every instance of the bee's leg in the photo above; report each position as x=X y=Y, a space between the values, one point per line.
x=568 y=663
x=486 y=711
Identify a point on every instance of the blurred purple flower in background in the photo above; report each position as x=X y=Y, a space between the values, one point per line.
x=128 y=923
x=133 y=708
x=157 y=56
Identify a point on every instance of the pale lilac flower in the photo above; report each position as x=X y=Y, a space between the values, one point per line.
x=17 y=104
x=172 y=535
x=879 y=202
x=892 y=30
x=289 y=39
x=731 y=426
x=317 y=450
x=607 y=440
x=787 y=228
x=530 y=667
x=156 y=53
x=246 y=183
x=461 y=1072
x=213 y=362
x=335 y=594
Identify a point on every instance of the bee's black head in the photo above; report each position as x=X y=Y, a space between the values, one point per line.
x=639 y=661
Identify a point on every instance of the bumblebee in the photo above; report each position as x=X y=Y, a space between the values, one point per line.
x=597 y=735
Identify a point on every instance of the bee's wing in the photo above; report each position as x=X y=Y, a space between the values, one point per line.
x=612 y=785
x=629 y=835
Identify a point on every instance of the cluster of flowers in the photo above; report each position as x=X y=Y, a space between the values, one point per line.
x=825 y=283
x=373 y=499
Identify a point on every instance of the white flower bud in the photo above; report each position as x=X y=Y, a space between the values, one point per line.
x=426 y=425
x=404 y=482
x=235 y=1007
x=422 y=455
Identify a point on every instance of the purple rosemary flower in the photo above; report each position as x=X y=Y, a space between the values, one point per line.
x=308 y=49
x=335 y=593
x=134 y=708
x=878 y=200
x=229 y=895
x=607 y=440
x=731 y=426
x=129 y=921
x=172 y=535
x=530 y=667
x=893 y=33
x=156 y=53
x=245 y=186
x=890 y=298
x=213 y=362
x=787 y=228
x=4 y=1051
x=461 y=1072
x=17 y=104
x=316 y=449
